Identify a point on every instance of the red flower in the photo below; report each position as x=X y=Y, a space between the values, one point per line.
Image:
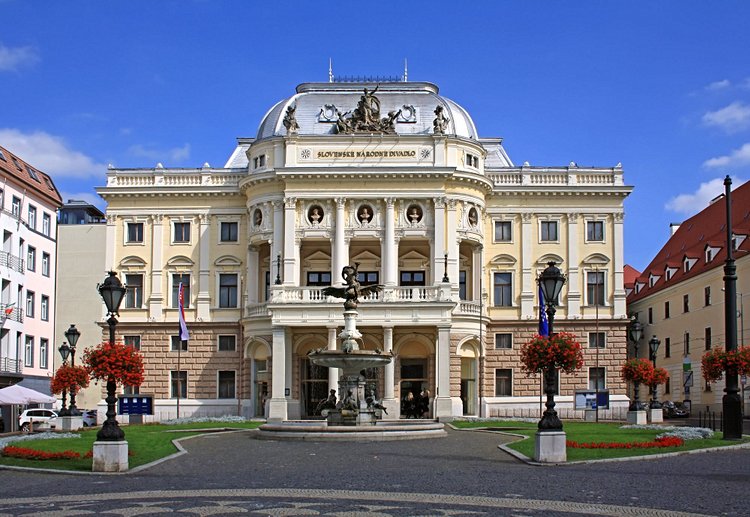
x=717 y=361
x=665 y=441
x=638 y=370
x=12 y=451
x=115 y=362
x=559 y=351
x=69 y=378
x=658 y=376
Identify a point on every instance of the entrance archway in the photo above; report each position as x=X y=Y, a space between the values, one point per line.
x=415 y=386
x=260 y=368
x=469 y=374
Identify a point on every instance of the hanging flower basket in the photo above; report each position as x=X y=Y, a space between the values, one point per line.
x=69 y=378
x=115 y=362
x=559 y=351
x=638 y=370
x=658 y=376
x=717 y=361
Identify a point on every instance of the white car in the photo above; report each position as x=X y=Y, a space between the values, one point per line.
x=37 y=419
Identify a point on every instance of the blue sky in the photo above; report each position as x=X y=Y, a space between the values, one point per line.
x=662 y=87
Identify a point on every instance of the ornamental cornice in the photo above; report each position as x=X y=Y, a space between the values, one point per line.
x=290 y=203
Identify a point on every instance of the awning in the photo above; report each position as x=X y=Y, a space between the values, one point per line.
x=19 y=395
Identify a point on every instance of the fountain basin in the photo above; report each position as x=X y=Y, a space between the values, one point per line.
x=351 y=362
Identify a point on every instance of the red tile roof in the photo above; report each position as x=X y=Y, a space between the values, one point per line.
x=707 y=227
x=629 y=275
x=15 y=169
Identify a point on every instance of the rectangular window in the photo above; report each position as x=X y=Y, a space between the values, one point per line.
x=595 y=231
x=176 y=343
x=549 y=230
x=28 y=352
x=178 y=382
x=15 y=206
x=134 y=292
x=503 y=340
x=707 y=334
x=667 y=386
x=650 y=316
x=367 y=277
x=462 y=285
x=46 y=224
x=502 y=287
x=31 y=258
x=667 y=347
x=267 y=287
x=181 y=232
x=133 y=341
x=32 y=217
x=229 y=232
x=45 y=263
x=686 y=303
x=597 y=378
x=227 y=343
x=503 y=382
x=178 y=278
x=43 y=352
x=686 y=339
x=595 y=287
x=707 y=296
x=30 y=304
x=412 y=278
x=666 y=310
x=226 y=384
x=135 y=232
x=597 y=339
x=320 y=278
x=44 y=310
x=32 y=173
x=503 y=231
x=228 y=290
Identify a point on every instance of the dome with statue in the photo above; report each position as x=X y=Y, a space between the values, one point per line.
x=397 y=107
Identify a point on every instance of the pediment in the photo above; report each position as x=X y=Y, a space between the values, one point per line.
x=317 y=260
x=596 y=259
x=180 y=261
x=228 y=260
x=549 y=257
x=132 y=261
x=503 y=259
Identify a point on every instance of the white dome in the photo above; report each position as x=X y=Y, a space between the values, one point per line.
x=318 y=104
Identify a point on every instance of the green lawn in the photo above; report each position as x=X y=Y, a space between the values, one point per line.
x=146 y=443
x=584 y=432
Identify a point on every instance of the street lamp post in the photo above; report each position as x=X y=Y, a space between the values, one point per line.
x=731 y=403
x=64 y=353
x=635 y=330
x=112 y=292
x=72 y=335
x=653 y=346
x=551 y=282
x=445 y=268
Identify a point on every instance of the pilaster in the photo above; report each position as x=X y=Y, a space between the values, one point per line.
x=290 y=244
x=277 y=406
x=156 y=296
x=390 y=246
x=440 y=247
x=573 y=283
x=443 y=402
x=340 y=252
x=204 y=268
x=618 y=263
x=528 y=292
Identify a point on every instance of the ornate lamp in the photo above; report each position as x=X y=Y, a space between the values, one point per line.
x=112 y=292
x=653 y=346
x=551 y=282
x=64 y=350
x=72 y=335
x=635 y=331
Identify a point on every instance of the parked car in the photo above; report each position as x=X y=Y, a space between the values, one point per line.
x=34 y=419
x=89 y=417
x=674 y=410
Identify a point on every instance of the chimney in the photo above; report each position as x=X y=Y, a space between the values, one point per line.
x=673 y=227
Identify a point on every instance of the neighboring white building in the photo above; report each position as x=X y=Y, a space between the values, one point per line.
x=28 y=269
x=395 y=177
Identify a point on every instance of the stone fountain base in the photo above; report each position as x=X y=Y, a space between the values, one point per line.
x=315 y=430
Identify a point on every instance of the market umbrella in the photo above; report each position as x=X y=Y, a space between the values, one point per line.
x=19 y=395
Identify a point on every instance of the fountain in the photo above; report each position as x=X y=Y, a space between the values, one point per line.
x=355 y=415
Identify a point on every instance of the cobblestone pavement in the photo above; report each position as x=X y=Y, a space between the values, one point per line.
x=463 y=474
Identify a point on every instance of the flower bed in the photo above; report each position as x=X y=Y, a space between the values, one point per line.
x=12 y=451
x=664 y=441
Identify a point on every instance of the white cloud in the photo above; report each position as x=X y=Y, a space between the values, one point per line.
x=50 y=154
x=737 y=158
x=13 y=58
x=732 y=118
x=176 y=154
x=719 y=85
x=693 y=203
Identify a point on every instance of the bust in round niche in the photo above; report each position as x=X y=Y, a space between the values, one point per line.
x=414 y=214
x=473 y=217
x=364 y=214
x=257 y=217
x=315 y=214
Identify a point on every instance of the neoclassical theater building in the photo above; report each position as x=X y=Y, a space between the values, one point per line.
x=392 y=176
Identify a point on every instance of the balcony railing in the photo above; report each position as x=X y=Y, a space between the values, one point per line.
x=9 y=365
x=10 y=313
x=11 y=261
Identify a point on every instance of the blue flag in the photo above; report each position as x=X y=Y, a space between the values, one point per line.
x=543 y=324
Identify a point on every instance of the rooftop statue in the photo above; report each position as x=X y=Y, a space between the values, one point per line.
x=440 y=124
x=290 y=121
x=366 y=117
x=353 y=289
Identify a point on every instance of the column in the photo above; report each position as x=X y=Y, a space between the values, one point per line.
x=440 y=248
x=277 y=407
x=156 y=296
x=573 y=283
x=389 y=379
x=289 y=256
x=204 y=268
x=443 y=402
x=278 y=238
x=340 y=253
x=253 y=275
x=390 y=246
x=618 y=263
x=333 y=373
x=528 y=285
x=476 y=273
x=452 y=247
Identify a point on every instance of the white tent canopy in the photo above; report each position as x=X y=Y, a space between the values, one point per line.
x=19 y=395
